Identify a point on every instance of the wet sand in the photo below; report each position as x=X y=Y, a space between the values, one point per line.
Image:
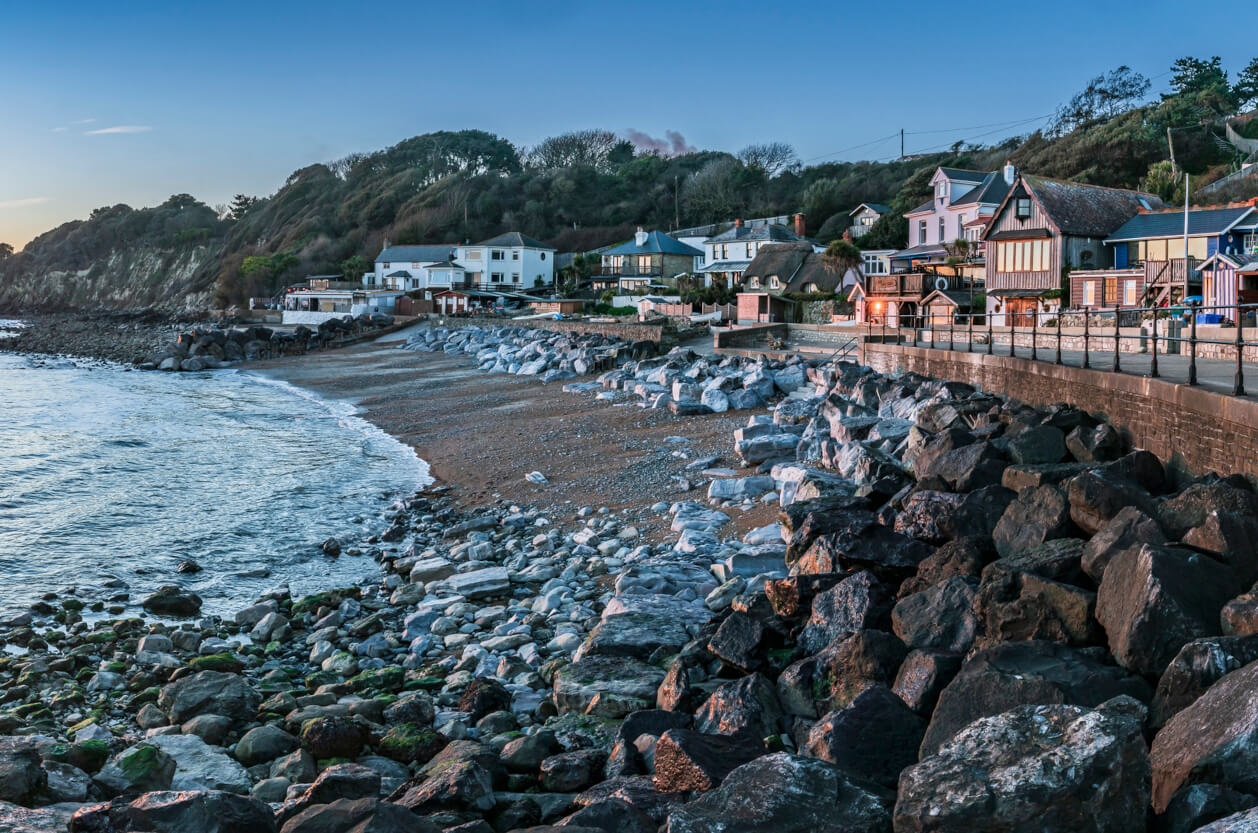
x=482 y=433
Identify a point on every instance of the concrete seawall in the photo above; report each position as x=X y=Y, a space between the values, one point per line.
x=1192 y=429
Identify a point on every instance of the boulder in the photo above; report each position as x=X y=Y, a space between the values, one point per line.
x=1154 y=599
x=20 y=773
x=740 y=642
x=860 y=542
x=689 y=760
x=634 y=635
x=571 y=771
x=1098 y=444
x=333 y=737
x=1037 y=516
x=876 y=736
x=832 y=678
x=1245 y=821
x=1097 y=496
x=856 y=603
x=962 y=557
x=1015 y=674
x=1230 y=537
x=483 y=696
x=1040 y=444
x=462 y=785
x=747 y=707
x=199 y=766
x=614 y=686
x=1191 y=507
x=940 y=618
x=141 y=768
x=172 y=600
x=922 y=676
x=783 y=793
x=1056 y=769
x=936 y=517
x=209 y=692
x=1015 y=603
x=1214 y=740
x=1130 y=527
x=966 y=468
x=1239 y=617
x=1195 y=806
x=263 y=744
x=1198 y=665
x=202 y=811
x=361 y=815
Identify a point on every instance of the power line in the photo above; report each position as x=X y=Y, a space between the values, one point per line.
x=855 y=147
x=977 y=126
x=998 y=125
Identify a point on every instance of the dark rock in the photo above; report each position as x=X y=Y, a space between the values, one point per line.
x=1155 y=599
x=858 y=602
x=792 y=597
x=411 y=743
x=572 y=771
x=675 y=693
x=638 y=792
x=171 y=600
x=209 y=811
x=1191 y=507
x=1015 y=674
x=459 y=785
x=805 y=521
x=209 y=692
x=785 y=793
x=922 y=676
x=525 y=754
x=1198 y=665
x=746 y=707
x=1231 y=538
x=333 y=737
x=1239 y=617
x=936 y=517
x=482 y=696
x=1097 y=496
x=688 y=760
x=635 y=635
x=363 y=815
x=966 y=468
x=940 y=617
x=1041 y=444
x=1037 y=516
x=263 y=744
x=1140 y=467
x=740 y=642
x=1214 y=740
x=21 y=775
x=832 y=678
x=1129 y=528
x=875 y=736
x=1016 y=604
x=1194 y=807
x=962 y=557
x=1057 y=769
x=611 y=686
x=1094 y=445
x=1019 y=477
x=864 y=543
x=610 y=815
x=142 y=768
x=343 y=781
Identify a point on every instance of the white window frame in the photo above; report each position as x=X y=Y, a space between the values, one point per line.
x=495 y=277
x=1089 y=293
x=1131 y=293
x=497 y=254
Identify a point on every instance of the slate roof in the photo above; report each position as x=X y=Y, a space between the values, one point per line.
x=924 y=250
x=401 y=273
x=991 y=192
x=772 y=233
x=726 y=266
x=515 y=240
x=929 y=205
x=1087 y=210
x=962 y=175
x=957 y=297
x=657 y=242
x=1201 y=222
x=415 y=254
x=876 y=207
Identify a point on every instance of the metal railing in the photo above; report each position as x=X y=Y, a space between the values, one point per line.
x=1098 y=344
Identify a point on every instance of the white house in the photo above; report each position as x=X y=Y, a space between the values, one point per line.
x=865 y=215
x=508 y=262
x=406 y=267
x=958 y=210
x=727 y=255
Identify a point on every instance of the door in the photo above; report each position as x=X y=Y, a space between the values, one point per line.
x=1021 y=311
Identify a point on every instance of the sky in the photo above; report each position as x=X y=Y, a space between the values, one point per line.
x=130 y=102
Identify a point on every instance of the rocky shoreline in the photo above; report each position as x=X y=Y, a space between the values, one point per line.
x=969 y=615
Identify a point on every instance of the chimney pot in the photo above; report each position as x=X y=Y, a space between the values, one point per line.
x=799 y=225
x=1010 y=172
x=738 y=224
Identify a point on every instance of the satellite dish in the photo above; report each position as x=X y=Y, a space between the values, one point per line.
x=941 y=282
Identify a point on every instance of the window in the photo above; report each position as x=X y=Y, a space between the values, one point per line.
x=384 y=265
x=495 y=277
x=1155 y=250
x=1089 y=293
x=943 y=229
x=921 y=232
x=751 y=250
x=774 y=283
x=1251 y=242
x=810 y=287
x=960 y=227
x=723 y=251
x=644 y=264
x=473 y=254
x=495 y=254
x=1022 y=208
x=515 y=277
x=515 y=255
x=755 y=283
x=941 y=189
x=617 y=262
x=1130 y=292
x=1023 y=256
x=874 y=265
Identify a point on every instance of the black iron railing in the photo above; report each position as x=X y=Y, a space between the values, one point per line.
x=1101 y=340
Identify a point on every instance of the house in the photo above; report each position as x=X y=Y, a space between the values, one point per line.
x=796 y=267
x=944 y=306
x=1229 y=279
x=898 y=299
x=1043 y=228
x=960 y=207
x=763 y=308
x=865 y=215
x=509 y=262
x=651 y=258
x=877 y=261
x=1150 y=247
x=696 y=236
x=729 y=253
x=336 y=299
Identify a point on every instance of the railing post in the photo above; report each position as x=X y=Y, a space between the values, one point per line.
x=990 y=334
x=1117 y=340
x=1153 y=368
x=1058 y=359
x=969 y=332
x=1192 y=349
x=1035 y=332
x=1238 y=386
x=951 y=346
x=1086 y=318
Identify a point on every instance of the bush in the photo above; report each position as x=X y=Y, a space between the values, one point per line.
x=608 y=309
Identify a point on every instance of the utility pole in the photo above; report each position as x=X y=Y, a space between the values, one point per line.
x=1171 y=144
x=901 y=144
x=676 y=205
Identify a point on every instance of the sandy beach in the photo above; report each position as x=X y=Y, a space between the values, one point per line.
x=483 y=433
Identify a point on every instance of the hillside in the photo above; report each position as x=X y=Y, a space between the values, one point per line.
x=576 y=191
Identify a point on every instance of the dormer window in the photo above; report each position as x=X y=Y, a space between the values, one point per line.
x=941 y=189
x=1022 y=208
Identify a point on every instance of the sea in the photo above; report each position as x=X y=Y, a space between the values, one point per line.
x=111 y=476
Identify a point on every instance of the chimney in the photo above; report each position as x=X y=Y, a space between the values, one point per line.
x=799 y=225
x=639 y=238
x=386 y=242
x=1011 y=173
x=738 y=224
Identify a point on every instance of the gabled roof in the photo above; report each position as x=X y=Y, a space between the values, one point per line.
x=1077 y=209
x=401 y=273
x=1246 y=263
x=928 y=206
x=991 y=192
x=962 y=175
x=876 y=207
x=515 y=240
x=445 y=264
x=415 y=254
x=657 y=242
x=956 y=297
x=771 y=233
x=1201 y=222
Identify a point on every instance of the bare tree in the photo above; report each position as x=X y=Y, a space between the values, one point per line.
x=1105 y=96
x=712 y=192
x=580 y=147
x=770 y=157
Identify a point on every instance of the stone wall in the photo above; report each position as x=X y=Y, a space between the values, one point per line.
x=663 y=334
x=1192 y=429
x=755 y=336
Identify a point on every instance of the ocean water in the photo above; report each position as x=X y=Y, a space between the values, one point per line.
x=111 y=473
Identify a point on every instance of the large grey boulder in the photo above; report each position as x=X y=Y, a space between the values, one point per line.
x=783 y=793
x=20 y=773
x=1155 y=599
x=1198 y=665
x=1055 y=769
x=177 y=812
x=199 y=766
x=940 y=617
x=875 y=736
x=209 y=692
x=614 y=686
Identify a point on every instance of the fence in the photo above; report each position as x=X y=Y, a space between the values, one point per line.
x=1100 y=345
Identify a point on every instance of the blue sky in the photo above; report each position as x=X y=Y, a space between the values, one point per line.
x=131 y=102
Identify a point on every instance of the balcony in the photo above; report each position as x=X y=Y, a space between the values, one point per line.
x=1164 y=272
x=857 y=231
x=630 y=271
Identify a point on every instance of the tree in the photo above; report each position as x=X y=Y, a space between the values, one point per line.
x=580 y=147
x=1105 y=96
x=6 y=251
x=1163 y=182
x=240 y=205
x=821 y=200
x=842 y=257
x=712 y=192
x=1191 y=75
x=1245 y=90
x=355 y=266
x=772 y=157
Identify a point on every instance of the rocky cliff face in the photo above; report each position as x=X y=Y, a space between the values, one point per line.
x=143 y=276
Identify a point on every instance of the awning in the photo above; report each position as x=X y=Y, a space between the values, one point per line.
x=1020 y=234
x=727 y=266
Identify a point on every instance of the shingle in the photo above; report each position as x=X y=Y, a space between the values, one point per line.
x=1201 y=221
x=657 y=242
x=513 y=239
x=415 y=254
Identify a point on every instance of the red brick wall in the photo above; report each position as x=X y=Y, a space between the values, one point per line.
x=1191 y=429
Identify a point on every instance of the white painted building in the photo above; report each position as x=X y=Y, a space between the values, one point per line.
x=406 y=267
x=508 y=262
